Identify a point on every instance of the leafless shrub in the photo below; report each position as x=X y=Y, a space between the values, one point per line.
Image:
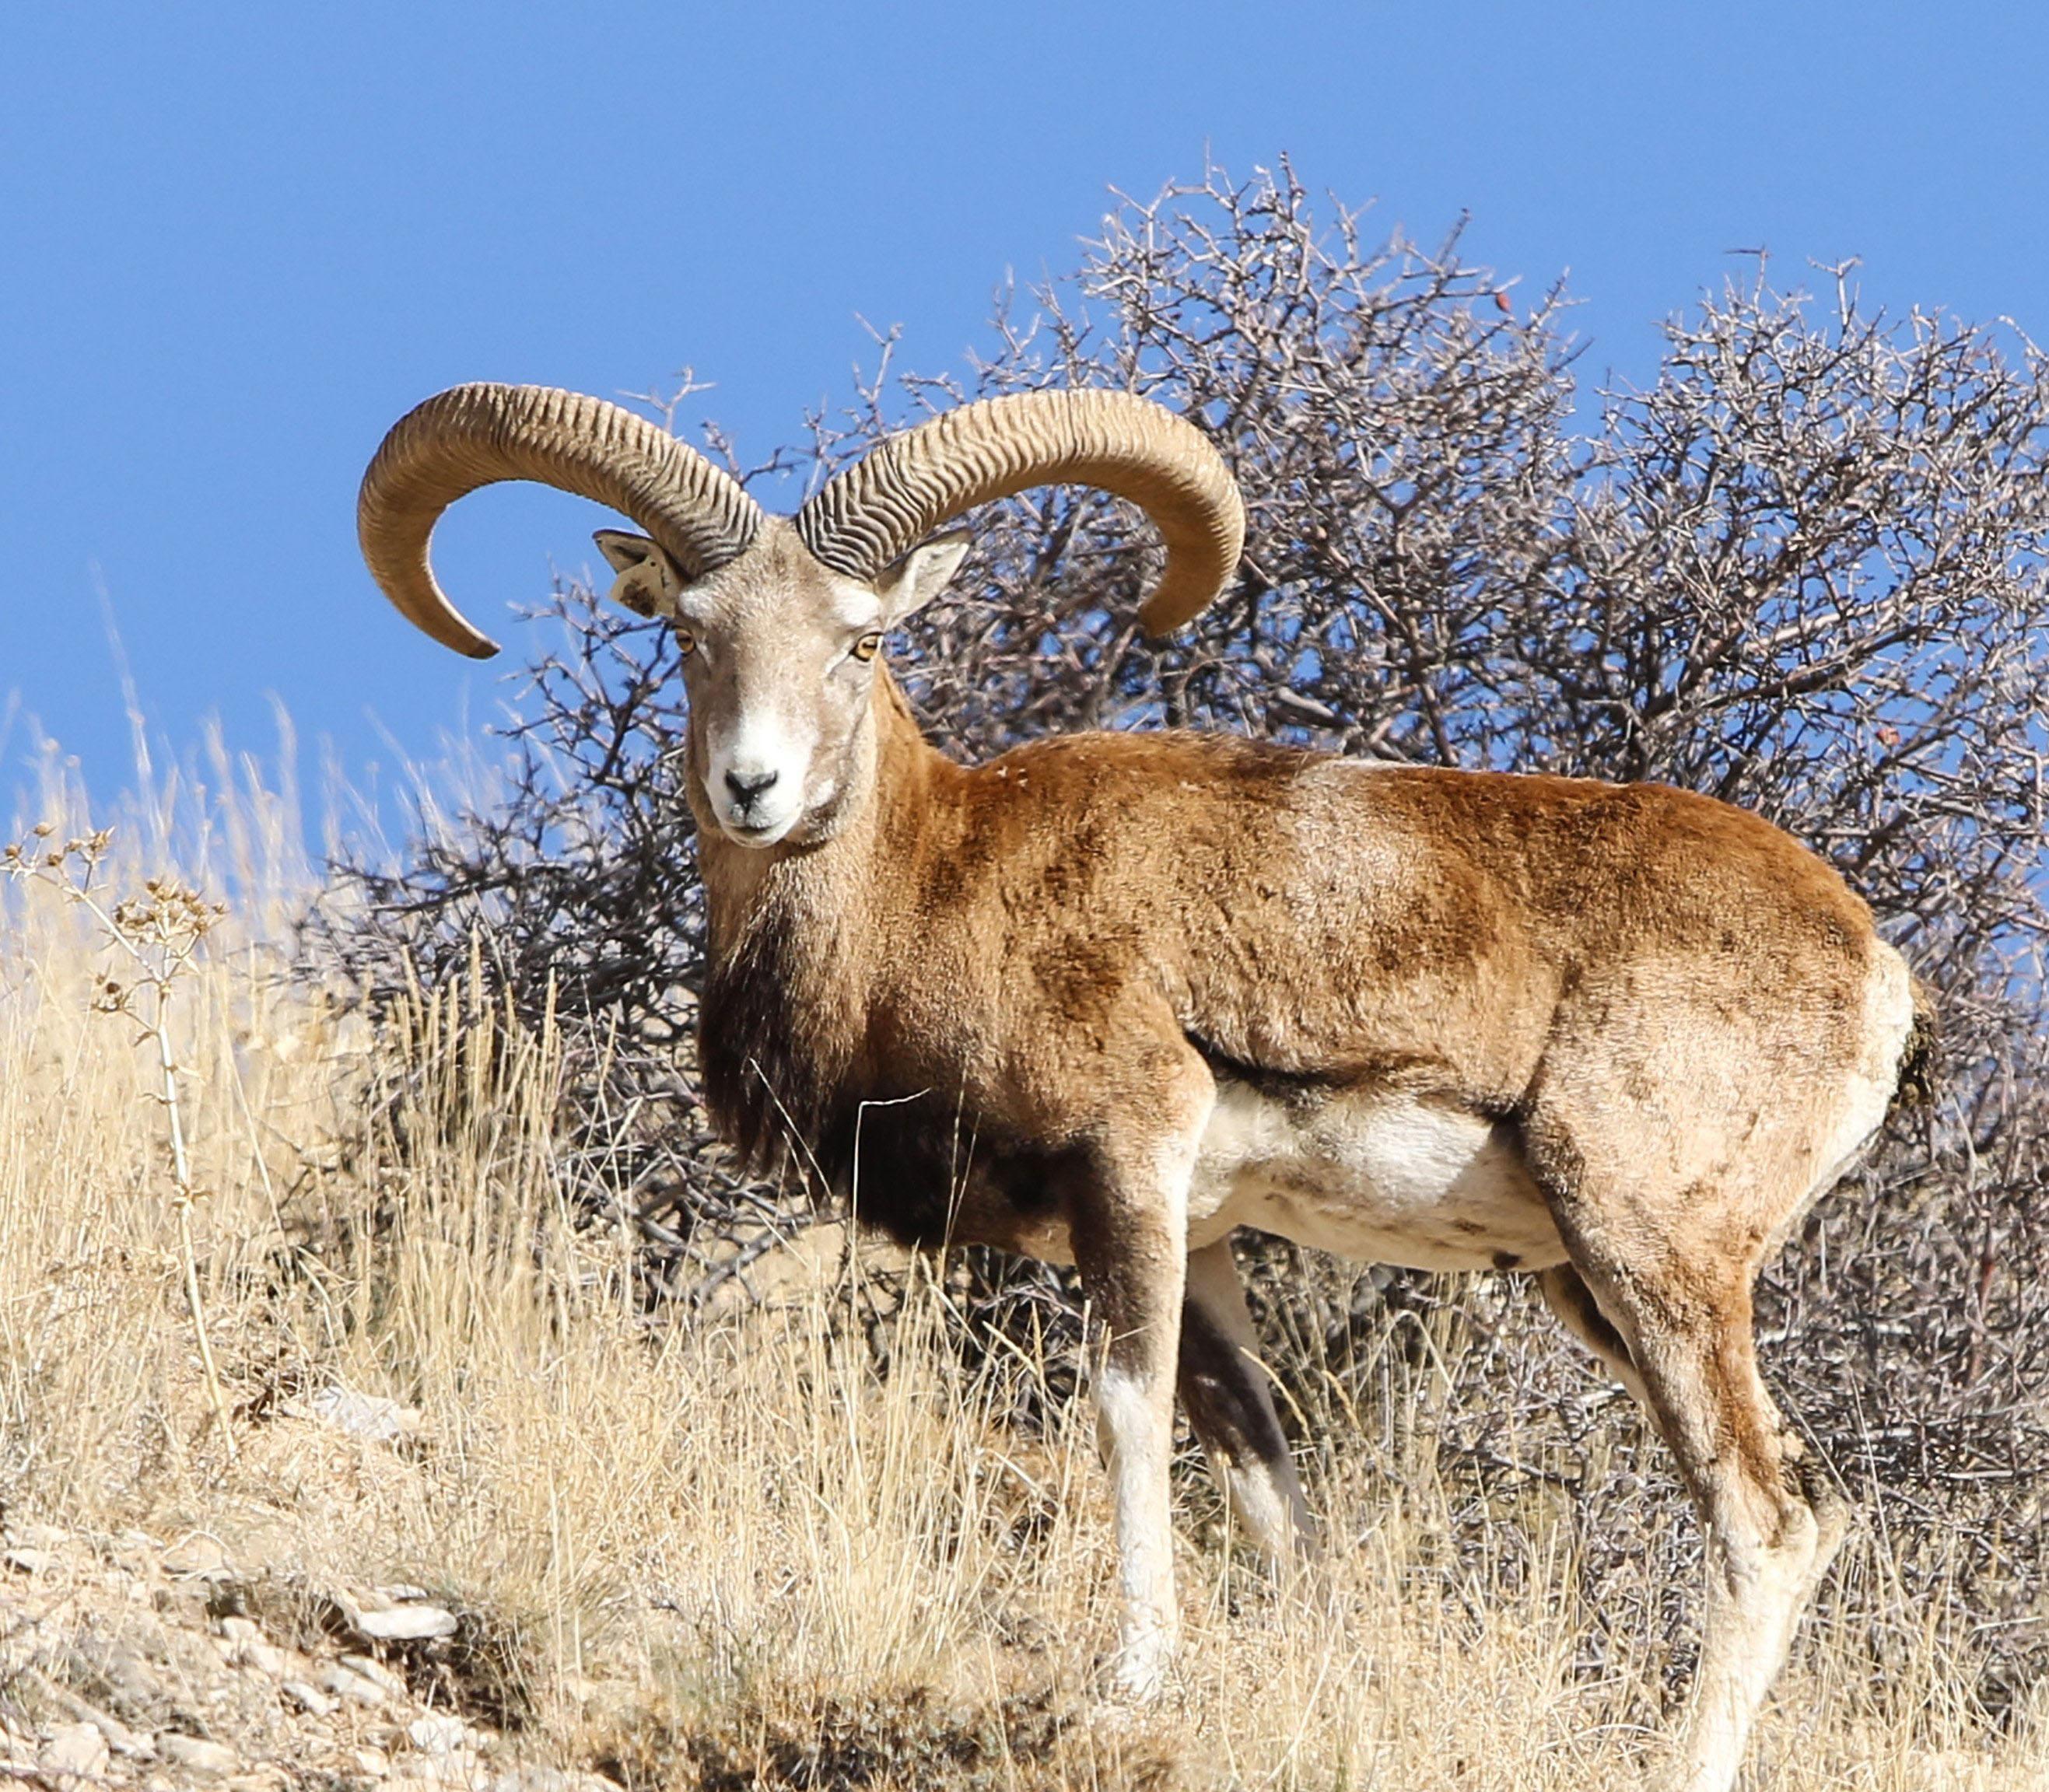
x=1803 y=569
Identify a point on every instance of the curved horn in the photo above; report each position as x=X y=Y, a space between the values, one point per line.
x=476 y=435
x=879 y=510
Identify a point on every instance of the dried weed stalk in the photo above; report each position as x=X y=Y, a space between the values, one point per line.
x=156 y=934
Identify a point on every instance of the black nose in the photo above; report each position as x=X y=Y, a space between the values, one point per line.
x=745 y=790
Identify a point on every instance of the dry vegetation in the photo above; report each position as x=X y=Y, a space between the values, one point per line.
x=715 y=1504
x=736 y=1552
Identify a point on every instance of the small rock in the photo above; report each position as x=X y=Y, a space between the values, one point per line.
x=399 y=1595
x=374 y=1762
x=361 y=1415
x=114 y=1732
x=438 y=1735
x=406 y=1623
x=349 y=1687
x=242 y=1645
x=207 y=1760
x=310 y=1699
x=198 y=1557
x=30 y=1560
x=261 y=1657
x=376 y=1672
x=73 y=1748
x=134 y=1684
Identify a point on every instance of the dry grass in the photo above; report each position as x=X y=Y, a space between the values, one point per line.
x=735 y=1555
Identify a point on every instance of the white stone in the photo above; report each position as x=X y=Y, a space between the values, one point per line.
x=207 y=1760
x=198 y=1557
x=244 y=1646
x=74 y=1748
x=361 y=1415
x=261 y=1657
x=349 y=1687
x=30 y=1560
x=406 y=1623
x=376 y=1672
x=310 y=1698
x=437 y=1734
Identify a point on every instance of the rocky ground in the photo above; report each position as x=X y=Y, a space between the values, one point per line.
x=157 y=1662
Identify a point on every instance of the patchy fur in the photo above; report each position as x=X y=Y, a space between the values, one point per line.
x=1622 y=1033
x=1107 y=997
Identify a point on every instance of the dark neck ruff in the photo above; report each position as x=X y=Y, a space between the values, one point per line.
x=791 y=1097
x=772 y=1079
x=784 y=1021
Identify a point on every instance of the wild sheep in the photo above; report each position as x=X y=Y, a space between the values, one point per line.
x=1107 y=998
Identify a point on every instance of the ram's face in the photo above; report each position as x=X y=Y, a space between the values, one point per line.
x=779 y=659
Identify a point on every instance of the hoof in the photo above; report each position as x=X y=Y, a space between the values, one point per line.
x=1140 y=1672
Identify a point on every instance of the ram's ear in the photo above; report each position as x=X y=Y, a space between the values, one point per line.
x=648 y=580
x=919 y=576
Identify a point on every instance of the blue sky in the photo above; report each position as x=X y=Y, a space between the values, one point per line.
x=236 y=241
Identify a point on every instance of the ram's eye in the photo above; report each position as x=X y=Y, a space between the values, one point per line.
x=686 y=643
x=867 y=646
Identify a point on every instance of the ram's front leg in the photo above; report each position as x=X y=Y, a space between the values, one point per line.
x=1129 y=1228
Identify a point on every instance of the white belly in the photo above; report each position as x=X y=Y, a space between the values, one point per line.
x=1380 y=1177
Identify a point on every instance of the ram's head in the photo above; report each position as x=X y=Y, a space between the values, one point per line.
x=781 y=618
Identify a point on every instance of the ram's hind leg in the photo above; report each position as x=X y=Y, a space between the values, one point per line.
x=1567 y=1295
x=1224 y=1391
x=1769 y=1529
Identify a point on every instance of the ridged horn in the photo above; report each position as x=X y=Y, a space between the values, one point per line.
x=878 y=511
x=476 y=435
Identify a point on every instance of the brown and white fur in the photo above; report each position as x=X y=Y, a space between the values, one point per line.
x=1110 y=996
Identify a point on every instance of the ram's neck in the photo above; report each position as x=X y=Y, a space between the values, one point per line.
x=793 y=942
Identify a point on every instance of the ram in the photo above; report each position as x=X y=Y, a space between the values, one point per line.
x=1109 y=997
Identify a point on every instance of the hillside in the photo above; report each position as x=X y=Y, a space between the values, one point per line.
x=474 y=1518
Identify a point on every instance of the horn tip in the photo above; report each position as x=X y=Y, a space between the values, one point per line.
x=1160 y=620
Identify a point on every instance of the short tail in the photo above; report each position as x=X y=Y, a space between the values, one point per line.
x=1918 y=1060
